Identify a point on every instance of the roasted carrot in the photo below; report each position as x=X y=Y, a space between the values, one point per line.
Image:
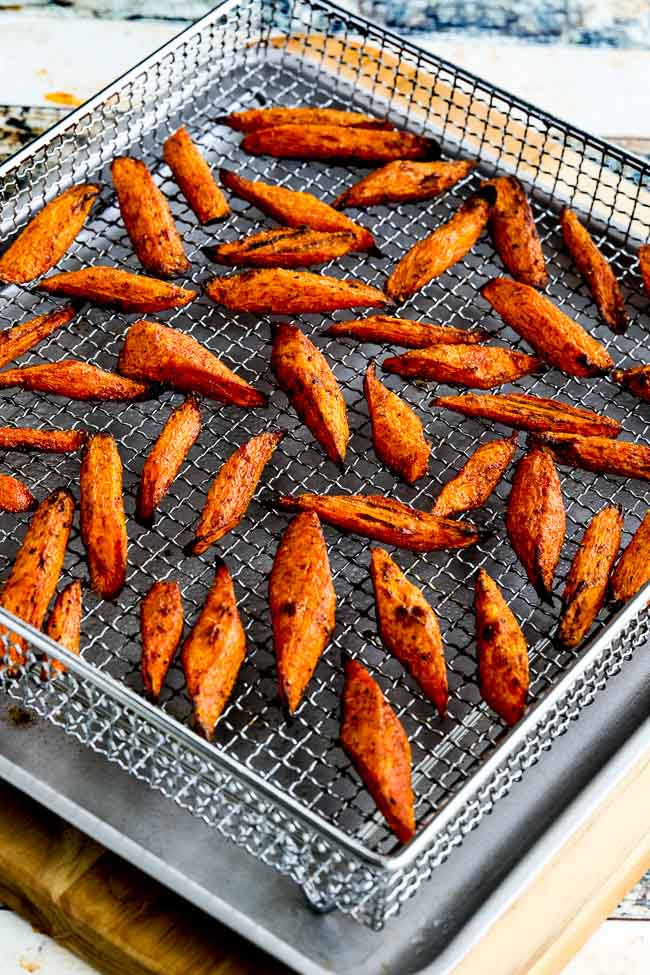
x=514 y=233
x=166 y=457
x=409 y=628
x=49 y=441
x=64 y=624
x=633 y=568
x=295 y=208
x=35 y=573
x=385 y=520
x=535 y=519
x=403 y=331
x=479 y=366
x=232 y=490
x=148 y=219
x=75 y=380
x=599 y=454
x=304 y=375
x=524 y=412
x=263 y=118
x=586 y=584
x=15 y=341
x=159 y=353
x=376 y=743
x=303 y=605
x=447 y=245
x=48 y=236
x=644 y=266
x=161 y=629
x=397 y=432
x=637 y=380
x=502 y=652
x=338 y=142
x=404 y=182
x=596 y=270
x=213 y=653
x=560 y=341
x=118 y=289
x=102 y=519
x=275 y=291
x=477 y=478
x=14 y=495
x=299 y=247
x=194 y=178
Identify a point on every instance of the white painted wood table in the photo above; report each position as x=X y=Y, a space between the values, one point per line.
x=55 y=56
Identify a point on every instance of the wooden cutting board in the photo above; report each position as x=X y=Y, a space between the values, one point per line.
x=124 y=923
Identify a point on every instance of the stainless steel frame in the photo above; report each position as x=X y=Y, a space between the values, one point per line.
x=286 y=794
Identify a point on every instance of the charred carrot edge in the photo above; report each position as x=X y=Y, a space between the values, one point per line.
x=644 y=266
x=64 y=624
x=19 y=339
x=636 y=380
x=502 y=652
x=161 y=629
x=102 y=519
x=166 y=457
x=602 y=455
x=596 y=271
x=514 y=234
x=194 y=177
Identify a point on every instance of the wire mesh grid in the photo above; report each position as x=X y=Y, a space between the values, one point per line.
x=320 y=825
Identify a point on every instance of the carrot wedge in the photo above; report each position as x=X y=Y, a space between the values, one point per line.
x=636 y=380
x=295 y=208
x=477 y=366
x=447 y=245
x=19 y=339
x=409 y=628
x=35 y=573
x=397 y=431
x=596 y=271
x=232 y=490
x=477 y=478
x=403 y=181
x=213 y=653
x=275 y=291
x=302 y=603
x=633 y=568
x=118 y=289
x=586 y=583
x=48 y=236
x=559 y=340
x=303 y=373
x=253 y=119
x=535 y=519
x=644 y=266
x=156 y=352
x=15 y=496
x=598 y=454
x=148 y=219
x=166 y=457
x=403 y=331
x=338 y=142
x=502 y=652
x=376 y=744
x=385 y=520
x=299 y=247
x=64 y=624
x=194 y=177
x=161 y=629
x=26 y=439
x=514 y=233
x=102 y=519
x=524 y=412
x=75 y=380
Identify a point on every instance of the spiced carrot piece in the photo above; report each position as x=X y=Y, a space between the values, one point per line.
x=118 y=289
x=161 y=628
x=514 y=233
x=75 y=380
x=403 y=331
x=409 y=628
x=404 y=181
x=477 y=366
x=232 y=490
x=14 y=495
x=477 y=478
x=525 y=412
x=502 y=652
x=194 y=177
x=64 y=624
x=102 y=519
x=19 y=339
x=599 y=454
x=636 y=380
x=263 y=118
x=275 y=291
x=213 y=653
x=148 y=219
x=338 y=142
x=633 y=568
x=48 y=236
x=596 y=271
x=166 y=457
x=644 y=266
x=376 y=744
x=299 y=247
x=49 y=440
x=397 y=431
x=302 y=603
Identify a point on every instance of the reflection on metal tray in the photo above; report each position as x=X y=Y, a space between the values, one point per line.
x=286 y=793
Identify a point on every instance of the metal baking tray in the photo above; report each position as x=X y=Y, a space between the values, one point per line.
x=286 y=793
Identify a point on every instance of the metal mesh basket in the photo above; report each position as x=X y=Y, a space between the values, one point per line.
x=286 y=793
